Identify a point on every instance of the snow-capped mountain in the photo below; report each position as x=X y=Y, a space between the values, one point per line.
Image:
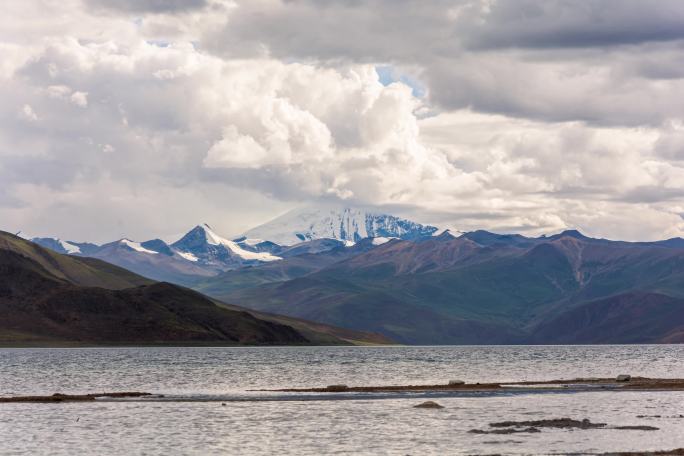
x=203 y=253
x=200 y=253
x=344 y=224
x=203 y=245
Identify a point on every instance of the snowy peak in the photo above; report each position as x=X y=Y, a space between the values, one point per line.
x=211 y=237
x=196 y=238
x=202 y=244
x=344 y=224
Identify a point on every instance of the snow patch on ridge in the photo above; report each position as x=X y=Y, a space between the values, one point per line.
x=136 y=246
x=251 y=242
x=215 y=239
x=69 y=247
x=188 y=256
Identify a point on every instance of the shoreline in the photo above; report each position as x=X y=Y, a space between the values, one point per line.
x=568 y=386
x=58 y=397
x=578 y=384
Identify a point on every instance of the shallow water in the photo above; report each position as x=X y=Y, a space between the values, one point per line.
x=197 y=381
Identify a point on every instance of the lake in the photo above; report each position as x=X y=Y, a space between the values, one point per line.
x=208 y=407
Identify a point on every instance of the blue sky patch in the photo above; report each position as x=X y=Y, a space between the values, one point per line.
x=388 y=74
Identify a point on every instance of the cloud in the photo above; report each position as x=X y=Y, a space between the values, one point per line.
x=566 y=24
x=144 y=118
x=27 y=113
x=538 y=177
x=605 y=62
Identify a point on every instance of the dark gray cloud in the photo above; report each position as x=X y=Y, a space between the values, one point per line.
x=652 y=194
x=414 y=30
x=572 y=24
x=602 y=62
x=147 y=6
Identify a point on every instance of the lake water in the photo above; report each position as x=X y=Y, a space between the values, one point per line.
x=197 y=382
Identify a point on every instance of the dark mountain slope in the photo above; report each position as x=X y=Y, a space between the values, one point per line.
x=635 y=317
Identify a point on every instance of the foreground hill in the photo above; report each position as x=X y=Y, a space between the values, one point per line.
x=86 y=272
x=46 y=297
x=486 y=288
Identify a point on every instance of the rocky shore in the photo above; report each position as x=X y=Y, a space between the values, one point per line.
x=57 y=397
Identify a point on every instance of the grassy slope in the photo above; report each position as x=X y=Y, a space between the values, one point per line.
x=87 y=272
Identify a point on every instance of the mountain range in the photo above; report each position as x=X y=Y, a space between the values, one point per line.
x=51 y=298
x=479 y=288
x=203 y=253
x=378 y=273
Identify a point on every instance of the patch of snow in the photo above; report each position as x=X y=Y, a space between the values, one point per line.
x=212 y=238
x=69 y=247
x=215 y=239
x=187 y=255
x=136 y=246
x=349 y=243
x=381 y=240
x=251 y=242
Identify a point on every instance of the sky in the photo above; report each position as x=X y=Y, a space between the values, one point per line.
x=143 y=118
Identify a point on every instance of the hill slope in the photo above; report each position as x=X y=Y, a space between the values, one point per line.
x=636 y=317
x=87 y=272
